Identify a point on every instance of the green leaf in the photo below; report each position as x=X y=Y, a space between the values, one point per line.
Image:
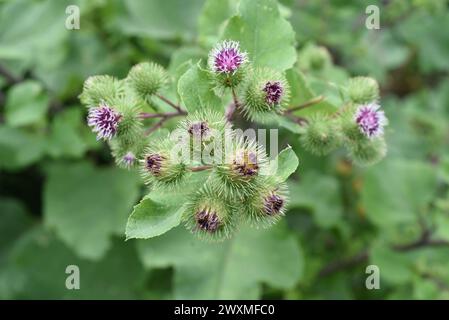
x=161 y=210
x=40 y=261
x=264 y=33
x=320 y=193
x=23 y=39
x=66 y=135
x=195 y=90
x=398 y=191
x=14 y=221
x=394 y=267
x=150 y=219
x=213 y=18
x=87 y=205
x=230 y=270
x=300 y=91
x=284 y=165
x=18 y=148
x=26 y=104
x=168 y=19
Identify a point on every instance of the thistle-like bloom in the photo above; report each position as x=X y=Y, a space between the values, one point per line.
x=104 y=121
x=273 y=92
x=153 y=163
x=227 y=57
x=129 y=159
x=371 y=120
x=273 y=204
x=207 y=220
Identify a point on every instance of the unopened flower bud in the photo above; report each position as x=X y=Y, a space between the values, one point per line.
x=264 y=91
x=209 y=215
x=146 y=79
x=363 y=90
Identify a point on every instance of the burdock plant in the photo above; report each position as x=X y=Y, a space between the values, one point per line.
x=204 y=174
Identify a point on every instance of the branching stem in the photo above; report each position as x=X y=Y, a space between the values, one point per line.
x=306 y=104
x=200 y=168
x=170 y=103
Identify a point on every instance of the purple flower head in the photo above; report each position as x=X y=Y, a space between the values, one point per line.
x=226 y=57
x=273 y=92
x=104 y=121
x=207 y=220
x=129 y=159
x=273 y=204
x=153 y=163
x=370 y=120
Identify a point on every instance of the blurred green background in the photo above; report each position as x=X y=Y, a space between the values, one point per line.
x=63 y=202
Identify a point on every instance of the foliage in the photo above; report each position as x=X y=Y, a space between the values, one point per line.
x=63 y=201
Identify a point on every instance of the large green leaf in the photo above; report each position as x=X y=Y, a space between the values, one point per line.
x=319 y=193
x=161 y=19
x=151 y=218
x=40 y=260
x=66 y=135
x=19 y=148
x=284 y=165
x=26 y=104
x=195 y=90
x=87 y=205
x=230 y=270
x=21 y=38
x=398 y=191
x=213 y=17
x=161 y=210
x=264 y=33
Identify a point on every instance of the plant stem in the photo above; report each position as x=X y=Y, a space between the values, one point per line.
x=200 y=168
x=424 y=241
x=145 y=115
x=164 y=117
x=229 y=113
x=306 y=104
x=235 y=99
x=299 y=120
x=170 y=103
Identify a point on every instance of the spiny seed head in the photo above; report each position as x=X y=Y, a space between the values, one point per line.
x=130 y=128
x=273 y=204
x=126 y=155
x=371 y=120
x=98 y=89
x=264 y=91
x=226 y=57
x=363 y=90
x=128 y=159
x=204 y=132
x=104 y=121
x=239 y=173
x=267 y=205
x=207 y=220
x=146 y=79
x=313 y=57
x=209 y=215
x=368 y=151
x=160 y=167
x=321 y=135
